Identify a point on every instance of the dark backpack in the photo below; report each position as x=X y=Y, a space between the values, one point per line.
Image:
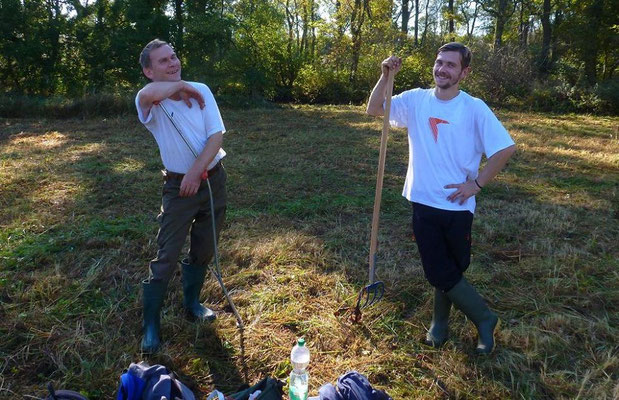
x=63 y=394
x=272 y=389
x=351 y=386
x=144 y=382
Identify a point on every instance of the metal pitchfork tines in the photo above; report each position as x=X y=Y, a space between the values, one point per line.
x=373 y=293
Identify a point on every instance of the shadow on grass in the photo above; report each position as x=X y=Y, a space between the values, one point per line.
x=214 y=361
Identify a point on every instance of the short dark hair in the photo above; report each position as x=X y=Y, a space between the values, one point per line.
x=145 y=54
x=465 y=52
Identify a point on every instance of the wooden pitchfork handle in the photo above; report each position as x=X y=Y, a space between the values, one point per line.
x=379 y=178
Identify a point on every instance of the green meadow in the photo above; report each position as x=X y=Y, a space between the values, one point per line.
x=79 y=198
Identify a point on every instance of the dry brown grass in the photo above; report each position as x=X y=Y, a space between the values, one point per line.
x=78 y=202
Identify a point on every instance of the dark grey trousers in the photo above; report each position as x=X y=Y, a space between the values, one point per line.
x=181 y=215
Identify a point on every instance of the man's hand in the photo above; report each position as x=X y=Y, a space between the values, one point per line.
x=463 y=191
x=188 y=92
x=377 y=98
x=393 y=64
x=190 y=184
x=473 y=186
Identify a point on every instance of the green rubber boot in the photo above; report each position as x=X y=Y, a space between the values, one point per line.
x=439 y=329
x=465 y=298
x=193 y=279
x=153 y=295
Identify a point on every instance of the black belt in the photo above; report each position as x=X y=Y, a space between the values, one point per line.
x=168 y=175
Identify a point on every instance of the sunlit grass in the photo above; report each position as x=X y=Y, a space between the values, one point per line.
x=79 y=200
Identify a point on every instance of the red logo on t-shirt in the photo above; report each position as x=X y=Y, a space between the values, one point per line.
x=433 y=125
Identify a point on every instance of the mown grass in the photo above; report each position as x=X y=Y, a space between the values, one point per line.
x=79 y=200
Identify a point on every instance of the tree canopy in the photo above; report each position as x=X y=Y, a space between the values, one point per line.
x=313 y=50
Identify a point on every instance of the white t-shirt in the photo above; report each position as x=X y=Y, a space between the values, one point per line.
x=197 y=125
x=446 y=140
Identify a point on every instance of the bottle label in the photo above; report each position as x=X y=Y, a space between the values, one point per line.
x=298 y=393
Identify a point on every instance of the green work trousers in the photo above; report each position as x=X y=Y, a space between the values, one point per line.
x=182 y=215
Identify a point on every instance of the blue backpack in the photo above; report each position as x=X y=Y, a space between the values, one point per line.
x=350 y=386
x=144 y=382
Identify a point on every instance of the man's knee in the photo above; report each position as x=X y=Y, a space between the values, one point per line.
x=201 y=257
x=442 y=280
x=161 y=271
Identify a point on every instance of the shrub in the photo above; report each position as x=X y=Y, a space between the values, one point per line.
x=321 y=85
x=498 y=75
x=16 y=106
x=102 y=104
x=416 y=72
x=608 y=93
x=560 y=96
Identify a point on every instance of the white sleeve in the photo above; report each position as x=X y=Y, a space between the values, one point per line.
x=212 y=118
x=493 y=135
x=147 y=120
x=400 y=108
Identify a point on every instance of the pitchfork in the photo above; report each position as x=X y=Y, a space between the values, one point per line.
x=374 y=291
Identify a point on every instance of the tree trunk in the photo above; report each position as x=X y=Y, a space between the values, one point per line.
x=590 y=45
x=452 y=37
x=356 y=23
x=555 y=51
x=544 y=57
x=523 y=27
x=340 y=24
x=50 y=65
x=306 y=23
x=416 y=22
x=287 y=80
x=475 y=13
x=406 y=14
x=180 y=26
x=501 y=20
x=313 y=42
x=426 y=23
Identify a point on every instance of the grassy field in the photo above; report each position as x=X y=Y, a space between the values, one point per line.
x=79 y=200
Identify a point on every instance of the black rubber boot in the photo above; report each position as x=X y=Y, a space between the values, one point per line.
x=465 y=298
x=153 y=295
x=439 y=329
x=193 y=279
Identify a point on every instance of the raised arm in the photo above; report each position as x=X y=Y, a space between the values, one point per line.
x=157 y=91
x=392 y=64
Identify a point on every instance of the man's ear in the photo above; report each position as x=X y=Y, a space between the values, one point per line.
x=148 y=73
x=465 y=72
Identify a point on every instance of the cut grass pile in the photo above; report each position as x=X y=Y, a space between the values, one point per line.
x=79 y=200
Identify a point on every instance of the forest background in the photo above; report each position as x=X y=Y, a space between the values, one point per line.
x=79 y=57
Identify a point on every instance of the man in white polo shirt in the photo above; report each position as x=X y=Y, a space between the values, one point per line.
x=448 y=131
x=185 y=200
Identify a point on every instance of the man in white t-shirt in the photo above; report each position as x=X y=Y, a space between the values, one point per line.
x=185 y=206
x=448 y=131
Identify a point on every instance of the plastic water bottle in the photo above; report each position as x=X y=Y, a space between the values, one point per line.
x=298 y=387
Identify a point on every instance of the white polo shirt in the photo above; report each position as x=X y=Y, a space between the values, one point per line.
x=197 y=125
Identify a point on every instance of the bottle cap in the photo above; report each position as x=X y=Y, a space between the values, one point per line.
x=301 y=342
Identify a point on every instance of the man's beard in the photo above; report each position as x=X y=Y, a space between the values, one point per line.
x=450 y=82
